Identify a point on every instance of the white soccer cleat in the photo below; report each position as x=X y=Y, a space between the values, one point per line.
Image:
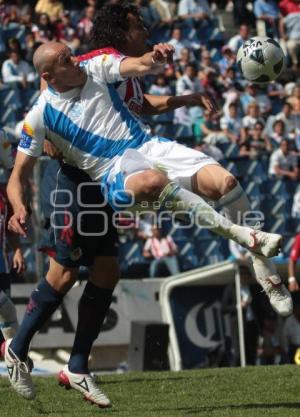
x=85 y=384
x=19 y=372
x=267 y=276
x=262 y=243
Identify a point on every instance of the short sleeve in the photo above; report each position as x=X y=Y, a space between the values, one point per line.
x=295 y=252
x=105 y=67
x=33 y=133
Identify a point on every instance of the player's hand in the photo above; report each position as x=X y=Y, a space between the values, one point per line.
x=293 y=286
x=203 y=100
x=162 y=54
x=18 y=222
x=18 y=261
x=52 y=150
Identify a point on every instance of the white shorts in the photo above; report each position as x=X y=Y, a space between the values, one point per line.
x=178 y=161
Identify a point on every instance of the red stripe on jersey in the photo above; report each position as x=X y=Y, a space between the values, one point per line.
x=98 y=52
x=129 y=90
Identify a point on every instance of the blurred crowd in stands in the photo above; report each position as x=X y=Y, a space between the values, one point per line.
x=256 y=133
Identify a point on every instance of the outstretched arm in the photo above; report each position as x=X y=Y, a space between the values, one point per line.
x=16 y=191
x=162 y=104
x=148 y=63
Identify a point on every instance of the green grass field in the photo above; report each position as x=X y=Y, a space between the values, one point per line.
x=251 y=392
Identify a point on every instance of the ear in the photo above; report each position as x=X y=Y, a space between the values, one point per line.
x=46 y=76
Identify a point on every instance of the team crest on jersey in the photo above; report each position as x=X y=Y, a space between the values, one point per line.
x=76 y=110
x=26 y=136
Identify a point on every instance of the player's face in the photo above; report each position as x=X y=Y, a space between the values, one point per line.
x=67 y=70
x=137 y=36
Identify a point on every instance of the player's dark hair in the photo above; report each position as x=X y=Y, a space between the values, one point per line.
x=111 y=24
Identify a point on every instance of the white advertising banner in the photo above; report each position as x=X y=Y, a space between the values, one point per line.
x=132 y=300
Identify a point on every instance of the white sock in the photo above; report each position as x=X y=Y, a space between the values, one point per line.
x=175 y=198
x=8 y=316
x=234 y=205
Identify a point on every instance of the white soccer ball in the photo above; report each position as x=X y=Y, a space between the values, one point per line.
x=261 y=59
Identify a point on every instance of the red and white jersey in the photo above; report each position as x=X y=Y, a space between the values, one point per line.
x=129 y=90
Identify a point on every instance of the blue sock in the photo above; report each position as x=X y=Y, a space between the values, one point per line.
x=43 y=302
x=93 y=306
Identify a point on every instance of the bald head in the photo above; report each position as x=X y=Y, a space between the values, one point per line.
x=46 y=55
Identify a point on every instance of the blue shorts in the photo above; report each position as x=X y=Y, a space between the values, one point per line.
x=78 y=222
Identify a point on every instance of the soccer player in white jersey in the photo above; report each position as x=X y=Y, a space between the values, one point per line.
x=115 y=149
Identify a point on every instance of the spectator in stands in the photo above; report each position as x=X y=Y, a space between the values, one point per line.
x=183 y=62
x=290 y=120
x=195 y=10
x=16 y=71
x=163 y=251
x=278 y=134
x=253 y=94
x=291 y=334
x=13 y=44
x=227 y=61
x=85 y=25
x=248 y=96
x=231 y=124
x=290 y=31
x=259 y=96
x=150 y=18
x=30 y=46
x=293 y=259
x=256 y=143
x=179 y=43
x=161 y=88
x=53 y=8
x=166 y=15
x=276 y=94
x=44 y=30
x=209 y=82
x=186 y=84
x=230 y=81
x=206 y=62
x=283 y=163
x=27 y=21
x=237 y=41
x=289 y=6
x=242 y=14
x=270 y=348
x=294 y=100
x=212 y=132
x=267 y=10
x=250 y=120
x=296 y=205
x=66 y=33
x=166 y=10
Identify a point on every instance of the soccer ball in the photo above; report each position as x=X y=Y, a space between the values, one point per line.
x=260 y=59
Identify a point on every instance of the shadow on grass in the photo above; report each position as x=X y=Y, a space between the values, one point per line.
x=38 y=407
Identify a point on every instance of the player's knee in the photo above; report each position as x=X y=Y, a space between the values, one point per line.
x=152 y=184
x=230 y=182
